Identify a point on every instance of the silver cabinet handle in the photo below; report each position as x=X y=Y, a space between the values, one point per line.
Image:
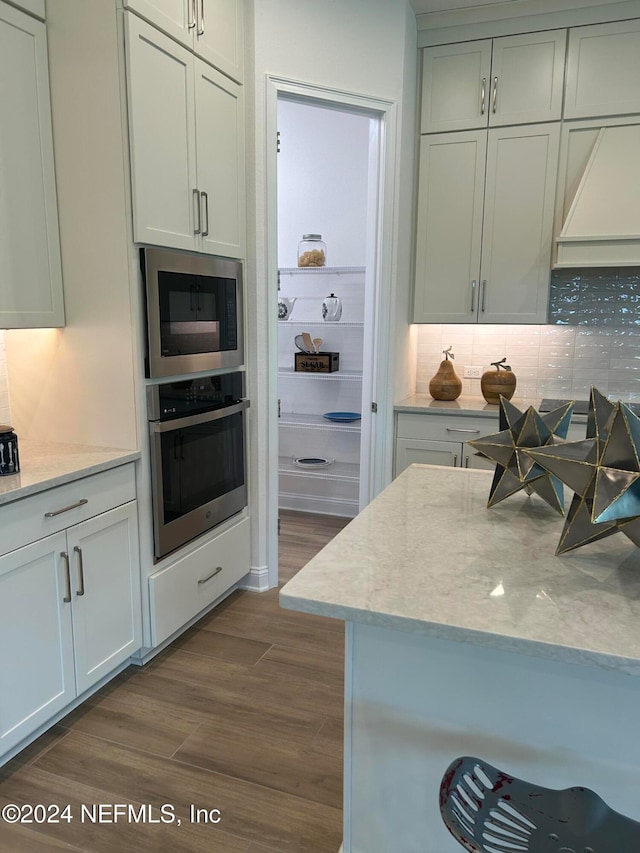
x=484 y=295
x=459 y=429
x=196 y=198
x=466 y=461
x=78 y=551
x=483 y=96
x=455 y=460
x=473 y=295
x=215 y=572
x=200 y=30
x=205 y=198
x=65 y=557
x=192 y=16
x=55 y=512
x=495 y=94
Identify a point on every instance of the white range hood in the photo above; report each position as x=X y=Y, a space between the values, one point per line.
x=602 y=227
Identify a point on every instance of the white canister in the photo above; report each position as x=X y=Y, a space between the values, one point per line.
x=331 y=308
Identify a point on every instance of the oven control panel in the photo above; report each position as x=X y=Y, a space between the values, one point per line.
x=191 y=396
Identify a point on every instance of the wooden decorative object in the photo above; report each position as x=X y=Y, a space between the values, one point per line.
x=445 y=385
x=498 y=383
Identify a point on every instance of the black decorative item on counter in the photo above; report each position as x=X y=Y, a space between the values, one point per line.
x=604 y=472
x=9 y=459
x=515 y=469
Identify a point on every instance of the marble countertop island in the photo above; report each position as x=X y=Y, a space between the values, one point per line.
x=44 y=465
x=427 y=557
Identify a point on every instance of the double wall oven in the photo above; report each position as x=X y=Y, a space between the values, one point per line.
x=197 y=423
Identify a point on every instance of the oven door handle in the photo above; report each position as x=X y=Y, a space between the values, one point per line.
x=202 y=418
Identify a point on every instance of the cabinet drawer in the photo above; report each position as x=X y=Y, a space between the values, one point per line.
x=188 y=586
x=445 y=427
x=26 y=520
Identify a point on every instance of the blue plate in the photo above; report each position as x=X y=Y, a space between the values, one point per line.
x=342 y=417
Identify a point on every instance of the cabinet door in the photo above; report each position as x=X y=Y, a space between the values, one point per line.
x=471 y=459
x=30 y=266
x=527 y=75
x=522 y=165
x=36 y=665
x=603 y=70
x=220 y=35
x=455 y=86
x=449 y=227
x=410 y=450
x=161 y=136
x=220 y=159
x=105 y=588
x=177 y=18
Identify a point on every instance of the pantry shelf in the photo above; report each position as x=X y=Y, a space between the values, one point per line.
x=320 y=270
x=293 y=419
x=348 y=375
x=347 y=471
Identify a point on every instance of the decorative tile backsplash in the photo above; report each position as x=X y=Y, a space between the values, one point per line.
x=602 y=297
x=549 y=361
x=5 y=412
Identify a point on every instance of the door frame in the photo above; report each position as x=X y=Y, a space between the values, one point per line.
x=377 y=382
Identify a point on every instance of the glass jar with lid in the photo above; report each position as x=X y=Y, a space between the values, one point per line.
x=312 y=251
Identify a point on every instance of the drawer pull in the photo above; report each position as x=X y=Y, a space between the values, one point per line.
x=215 y=572
x=80 y=570
x=67 y=573
x=459 y=429
x=55 y=512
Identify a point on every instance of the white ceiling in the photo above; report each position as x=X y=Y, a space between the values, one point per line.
x=421 y=6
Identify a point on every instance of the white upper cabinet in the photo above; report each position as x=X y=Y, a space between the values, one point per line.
x=603 y=70
x=485 y=225
x=30 y=265
x=186 y=131
x=491 y=83
x=213 y=29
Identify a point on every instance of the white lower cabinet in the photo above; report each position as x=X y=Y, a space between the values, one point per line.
x=440 y=440
x=187 y=587
x=69 y=605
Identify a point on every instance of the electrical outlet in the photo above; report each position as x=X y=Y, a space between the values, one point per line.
x=472 y=371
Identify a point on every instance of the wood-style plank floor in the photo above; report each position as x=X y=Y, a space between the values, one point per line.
x=242 y=714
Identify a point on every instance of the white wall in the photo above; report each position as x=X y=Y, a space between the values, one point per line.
x=77 y=384
x=322 y=182
x=549 y=361
x=5 y=409
x=360 y=47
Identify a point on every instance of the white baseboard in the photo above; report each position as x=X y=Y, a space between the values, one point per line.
x=318 y=505
x=257 y=580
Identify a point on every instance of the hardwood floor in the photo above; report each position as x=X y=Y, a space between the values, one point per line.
x=242 y=714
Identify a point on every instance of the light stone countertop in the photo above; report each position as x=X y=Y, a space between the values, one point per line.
x=427 y=557
x=464 y=405
x=44 y=465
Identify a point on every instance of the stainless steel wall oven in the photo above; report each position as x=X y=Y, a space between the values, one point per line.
x=198 y=465
x=194 y=312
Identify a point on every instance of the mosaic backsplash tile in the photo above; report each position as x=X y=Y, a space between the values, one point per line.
x=603 y=297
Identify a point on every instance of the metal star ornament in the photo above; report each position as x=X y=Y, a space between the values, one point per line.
x=515 y=470
x=603 y=471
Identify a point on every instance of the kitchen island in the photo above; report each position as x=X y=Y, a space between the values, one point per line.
x=466 y=635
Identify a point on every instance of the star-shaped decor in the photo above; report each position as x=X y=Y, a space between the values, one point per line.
x=603 y=471
x=516 y=470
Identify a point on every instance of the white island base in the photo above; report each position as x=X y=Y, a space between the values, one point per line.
x=475 y=640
